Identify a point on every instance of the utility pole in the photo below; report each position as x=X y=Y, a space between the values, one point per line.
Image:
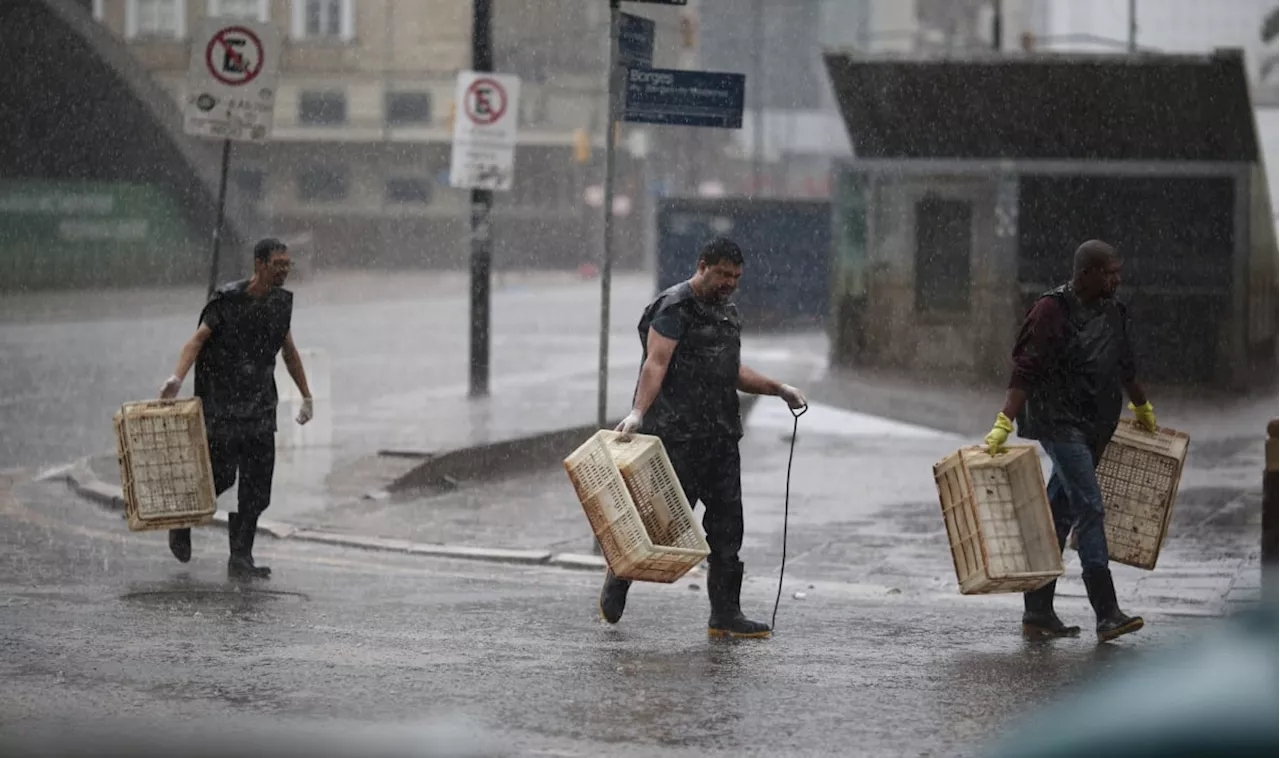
x=1133 y=26
x=606 y=268
x=481 y=234
x=218 y=222
x=757 y=73
x=997 y=24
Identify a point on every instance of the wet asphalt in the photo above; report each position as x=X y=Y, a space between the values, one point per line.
x=103 y=630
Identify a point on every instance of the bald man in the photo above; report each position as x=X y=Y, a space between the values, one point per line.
x=1071 y=362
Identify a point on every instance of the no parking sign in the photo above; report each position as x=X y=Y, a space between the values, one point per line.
x=231 y=80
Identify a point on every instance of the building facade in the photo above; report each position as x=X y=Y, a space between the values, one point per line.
x=357 y=165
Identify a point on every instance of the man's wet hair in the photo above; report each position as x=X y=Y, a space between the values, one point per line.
x=720 y=250
x=263 y=250
x=1093 y=255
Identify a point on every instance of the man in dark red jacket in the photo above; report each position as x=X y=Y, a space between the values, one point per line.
x=1072 y=361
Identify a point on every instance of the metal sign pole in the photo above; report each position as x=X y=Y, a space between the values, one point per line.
x=217 y=224
x=481 y=230
x=606 y=270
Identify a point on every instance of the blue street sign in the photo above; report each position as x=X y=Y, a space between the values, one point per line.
x=635 y=41
x=684 y=98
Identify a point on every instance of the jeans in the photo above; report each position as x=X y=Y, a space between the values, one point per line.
x=1075 y=497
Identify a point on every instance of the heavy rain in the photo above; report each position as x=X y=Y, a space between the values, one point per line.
x=638 y=377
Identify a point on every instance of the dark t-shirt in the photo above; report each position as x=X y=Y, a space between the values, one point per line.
x=235 y=371
x=699 y=395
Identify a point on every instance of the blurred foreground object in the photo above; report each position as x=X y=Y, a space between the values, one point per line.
x=1215 y=697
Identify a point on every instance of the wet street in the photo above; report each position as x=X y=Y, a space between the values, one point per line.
x=102 y=626
x=876 y=653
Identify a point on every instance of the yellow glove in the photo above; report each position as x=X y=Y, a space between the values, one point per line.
x=1145 y=415
x=999 y=434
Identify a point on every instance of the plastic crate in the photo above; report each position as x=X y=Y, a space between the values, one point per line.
x=1139 y=474
x=636 y=506
x=164 y=464
x=998 y=520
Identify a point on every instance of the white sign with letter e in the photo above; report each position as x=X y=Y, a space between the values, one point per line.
x=231 y=80
x=485 y=127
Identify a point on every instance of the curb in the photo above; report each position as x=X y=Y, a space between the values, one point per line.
x=86 y=484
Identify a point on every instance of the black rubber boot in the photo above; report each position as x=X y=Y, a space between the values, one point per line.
x=180 y=544
x=1112 y=622
x=240 y=532
x=1039 y=620
x=613 y=597
x=724 y=588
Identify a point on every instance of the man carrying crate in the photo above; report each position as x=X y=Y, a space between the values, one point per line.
x=242 y=328
x=1072 y=360
x=687 y=396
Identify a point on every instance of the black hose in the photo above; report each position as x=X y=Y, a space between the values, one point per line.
x=786 y=510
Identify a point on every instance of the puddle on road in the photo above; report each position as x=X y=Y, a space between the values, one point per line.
x=212 y=596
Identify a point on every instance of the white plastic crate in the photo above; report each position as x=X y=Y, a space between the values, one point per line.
x=998 y=520
x=636 y=507
x=1139 y=474
x=165 y=473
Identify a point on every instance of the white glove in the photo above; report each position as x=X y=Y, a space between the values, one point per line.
x=630 y=424
x=794 y=397
x=307 y=411
x=170 y=388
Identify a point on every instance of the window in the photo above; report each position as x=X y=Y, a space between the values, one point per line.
x=409 y=190
x=322 y=108
x=408 y=108
x=155 y=18
x=254 y=10
x=324 y=19
x=325 y=184
x=943 y=246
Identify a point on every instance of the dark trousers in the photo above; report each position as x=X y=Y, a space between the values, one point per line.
x=710 y=471
x=247 y=455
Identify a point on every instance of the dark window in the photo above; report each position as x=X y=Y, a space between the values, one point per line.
x=252 y=183
x=324 y=18
x=943 y=244
x=408 y=108
x=322 y=108
x=322 y=183
x=409 y=190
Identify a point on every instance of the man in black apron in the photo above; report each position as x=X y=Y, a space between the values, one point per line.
x=687 y=396
x=242 y=328
x=1072 y=361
